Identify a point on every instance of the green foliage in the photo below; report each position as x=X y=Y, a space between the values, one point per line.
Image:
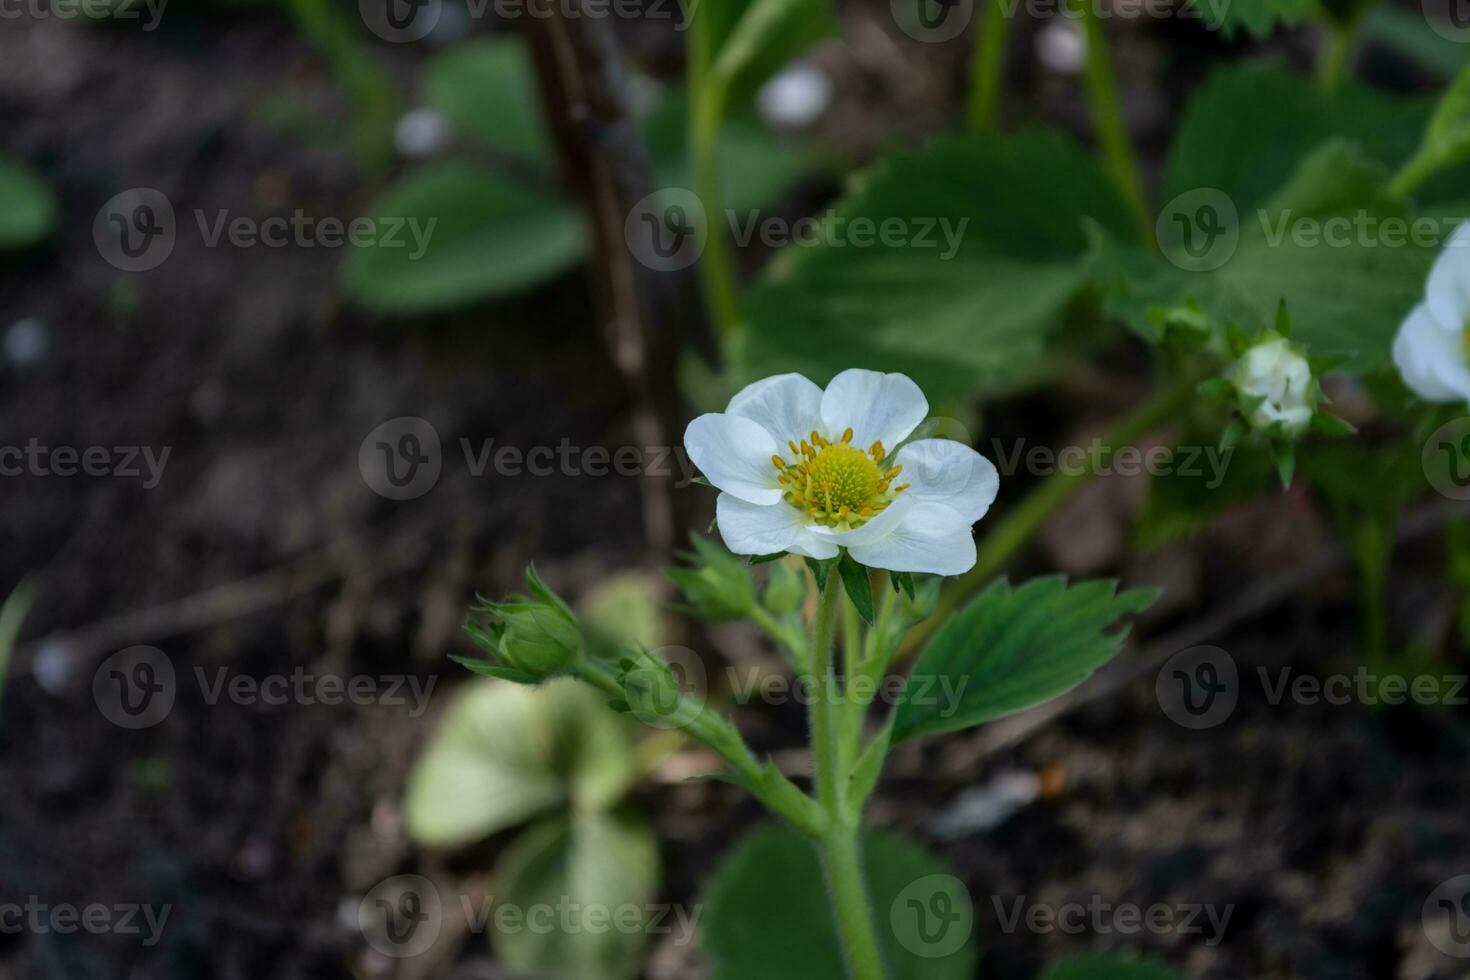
x=858 y=585
x=12 y=615
x=1407 y=31
x=1186 y=498
x=959 y=313
x=1447 y=138
x=717 y=584
x=1255 y=17
x=505 y=753
x=750 y=40
x=1012 y=649
x=609 y=866
x=499 y=230
x=767 y=915
x=1348 y=297
x=29 y=209
x=1110 y=966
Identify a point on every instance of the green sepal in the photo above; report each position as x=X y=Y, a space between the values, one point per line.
x=859 y=587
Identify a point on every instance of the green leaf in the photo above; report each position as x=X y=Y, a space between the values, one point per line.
x=1110 y=966
x=1009 y=650
x=504 y=753
x=1349 y=296
x=767 y=35
x=486 y=87
x=819 y=570
x=985 y=259
x=489 y=238
x=1447 y=138
x=1256 y=17
x=767 y=913
x=1407 y=31
x=1198 y=484
x=596 y=874
x=12 y=615
x=858 y=585
x=29 y=209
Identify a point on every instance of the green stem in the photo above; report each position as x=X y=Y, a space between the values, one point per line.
x=824 y=704
x=706 y=108
x=989 y=66
x=842 y=859
x=789 y=637
x=1112 y=131
x=1022 y=521
x=849 y=737
x=1336 y=55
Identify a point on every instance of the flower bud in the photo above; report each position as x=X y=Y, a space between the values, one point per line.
x=532 y=638
x=718 y=585
x=785 y=590
x=654 y=697
x=1275 y=386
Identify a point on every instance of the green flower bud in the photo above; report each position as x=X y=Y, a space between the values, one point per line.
x=718 y=585
x=532 y=638
x=654 y=697
x=785 y=590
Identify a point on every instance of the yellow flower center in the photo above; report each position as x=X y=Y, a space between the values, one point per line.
x=836 y=483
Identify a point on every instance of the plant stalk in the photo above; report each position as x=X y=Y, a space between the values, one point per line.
x=1112 y=130
x=842 y=861
x=989 y=66
x=706 y=108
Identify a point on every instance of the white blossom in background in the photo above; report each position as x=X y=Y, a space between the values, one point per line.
x=795 y=98
x=808 y=471
x=421 y=133
x=1060 y=46
x=1432 y=349
x=1279 y=376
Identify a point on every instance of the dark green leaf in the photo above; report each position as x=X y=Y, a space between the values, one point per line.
x=486 y=87
x=1110 y=966
x=1009 y=650
x=858 y=585
x=29 y=209
x=767 y=913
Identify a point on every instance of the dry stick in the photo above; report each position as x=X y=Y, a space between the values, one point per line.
x=579 y=69
x=1252 y=602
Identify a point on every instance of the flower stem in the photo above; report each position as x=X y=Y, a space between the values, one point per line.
x=706 y=108
x=1336 y=55
x=842 y=860
x=1112 y=131
x=838 y=842
x=989 y=65
x=1023 y=520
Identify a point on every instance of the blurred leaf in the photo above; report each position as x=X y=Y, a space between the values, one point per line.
x=1255 y=17
x=504 y=753
x=1345 y=297
x=1180 y=503
x=12 y=615
x=1012 y=649
x=987 y=256
x=491 y=237
x=1110 y=966
x=1407 y=31
x=767 y=914
x=1447 y=137
x=29 y=209
x=606 y=864
x=1248 y=128
x=623 y=610
x=487 y=88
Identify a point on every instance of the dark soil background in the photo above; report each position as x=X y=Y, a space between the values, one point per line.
x=262 y=548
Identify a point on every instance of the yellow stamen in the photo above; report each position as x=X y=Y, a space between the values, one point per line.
x=847 y=435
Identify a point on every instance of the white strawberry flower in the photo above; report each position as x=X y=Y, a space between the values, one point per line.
x=811 y=471
x=1432 y=349
x=1278 y=380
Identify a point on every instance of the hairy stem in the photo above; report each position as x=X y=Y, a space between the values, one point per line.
x=842 y=861
x=825 y=701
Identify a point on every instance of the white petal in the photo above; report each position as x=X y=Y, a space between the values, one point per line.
x=734 y=454
x=810 y=545
x=877 y=406
x=788 y=406
x=753 y=529
x=943 y=471
x=1448 y=293
x=931 y=539
x=1431 y=359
